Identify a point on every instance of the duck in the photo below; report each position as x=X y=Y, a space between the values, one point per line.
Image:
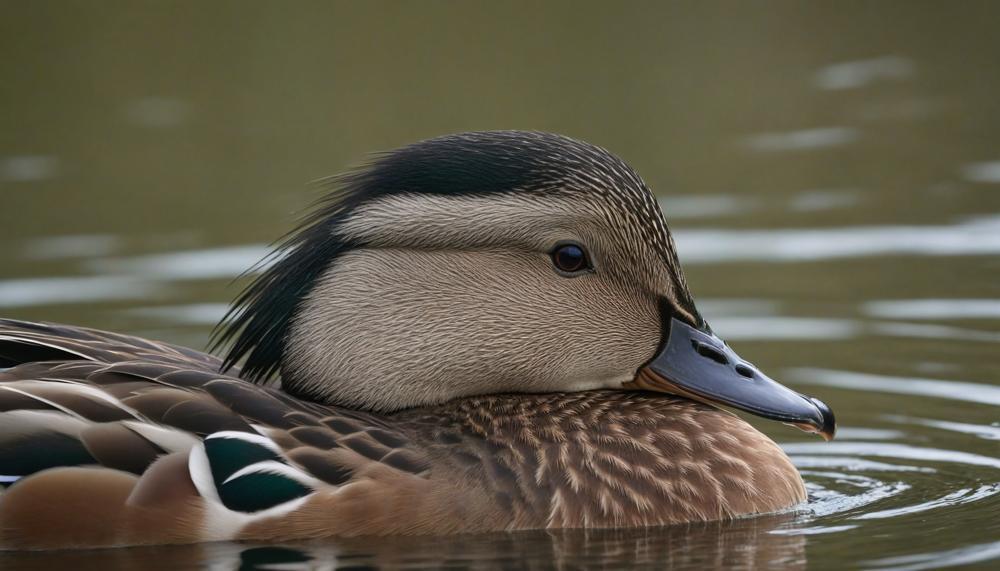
x=479 y=332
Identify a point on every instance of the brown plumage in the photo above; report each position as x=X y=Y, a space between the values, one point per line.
x=431 y=381
x=499 y=462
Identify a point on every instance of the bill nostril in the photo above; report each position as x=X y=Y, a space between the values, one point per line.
x=710 y=352
x=744 y=370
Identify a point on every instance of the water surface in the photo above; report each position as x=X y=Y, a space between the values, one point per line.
x=831 y=172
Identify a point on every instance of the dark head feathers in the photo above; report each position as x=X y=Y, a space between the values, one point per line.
x=464 y=164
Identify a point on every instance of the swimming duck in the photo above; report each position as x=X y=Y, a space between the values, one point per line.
x=477 y=332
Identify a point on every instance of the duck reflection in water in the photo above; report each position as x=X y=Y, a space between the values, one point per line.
x=739 y=544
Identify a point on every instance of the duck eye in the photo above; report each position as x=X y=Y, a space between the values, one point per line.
x=570 y=258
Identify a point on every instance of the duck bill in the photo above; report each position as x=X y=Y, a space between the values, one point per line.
x=698 y=365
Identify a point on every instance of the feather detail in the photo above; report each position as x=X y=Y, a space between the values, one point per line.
x=136 y=442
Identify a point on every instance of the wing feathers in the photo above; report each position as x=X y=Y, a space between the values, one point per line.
x=116 y=446
x=24 y=456
x=149 y=443
x=228 y=454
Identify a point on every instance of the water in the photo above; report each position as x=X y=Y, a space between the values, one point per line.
x=831 y=171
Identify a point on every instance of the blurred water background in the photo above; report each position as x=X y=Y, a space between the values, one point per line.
x=831 y=171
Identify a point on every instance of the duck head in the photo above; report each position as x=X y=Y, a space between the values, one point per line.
x=490 y=262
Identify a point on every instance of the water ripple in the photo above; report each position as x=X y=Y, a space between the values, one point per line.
x=71 y=246
x=938 y=559
x=60 y=290
x=934 y=308
x=859 y=73
x=853 y=464
x=785 y=328
x=892 y=450
x=861 y=490
x=974 y=236
x=961 y=496
x=954 y=390
x=187 y=314
x=982 y=172
x=804 y=139
x=986 y=432
x=210 y=263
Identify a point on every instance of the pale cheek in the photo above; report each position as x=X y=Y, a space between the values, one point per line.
x=600 y=345
x=445 y=328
